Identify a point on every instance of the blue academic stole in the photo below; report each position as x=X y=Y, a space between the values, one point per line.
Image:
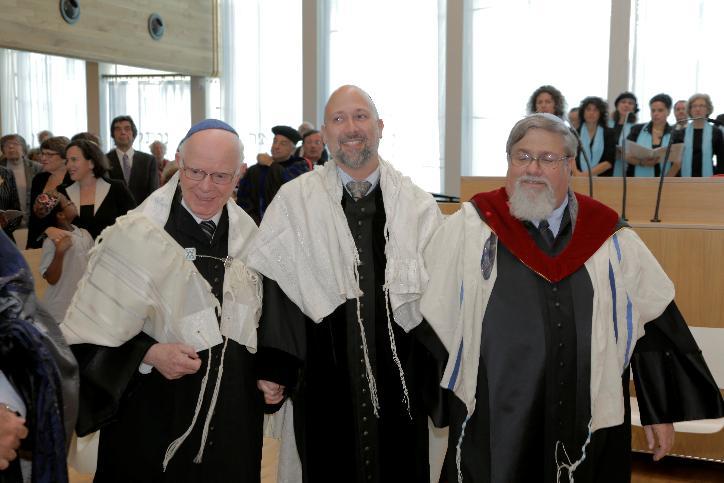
x=647 y=141
x=595 y=152
x=707 y=164
x=618 y=166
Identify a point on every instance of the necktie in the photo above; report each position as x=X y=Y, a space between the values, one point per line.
x=126 y=167
x=546 y=232
x=358 y=188
x=209 y=227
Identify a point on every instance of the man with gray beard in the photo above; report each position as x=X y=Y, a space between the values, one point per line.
x=341 y=252
x=543 y=299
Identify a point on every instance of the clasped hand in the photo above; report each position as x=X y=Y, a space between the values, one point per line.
x=173 y=361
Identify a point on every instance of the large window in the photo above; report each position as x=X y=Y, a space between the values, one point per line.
x=261 y=78
x=391 y=49
x=519 y=45
x=159 y=103
x=677 y=50
x=39 y=92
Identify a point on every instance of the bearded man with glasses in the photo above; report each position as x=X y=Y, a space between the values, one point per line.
x=555 y=299
x=164 y=328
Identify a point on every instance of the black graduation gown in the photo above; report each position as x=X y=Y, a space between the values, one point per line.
x=141 y=415
x=533 y=386
x=260 y=184
x=337 y=434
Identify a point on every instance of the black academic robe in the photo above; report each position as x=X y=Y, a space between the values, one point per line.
x=141 y=415
x=261 y=183
x=533 y=387
x=337 y=434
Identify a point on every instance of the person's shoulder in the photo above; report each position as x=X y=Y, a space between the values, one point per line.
x=636 y=129
x=146 y=157
x=34 y=166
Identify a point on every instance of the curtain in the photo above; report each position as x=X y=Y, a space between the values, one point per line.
x=395 y=52
x=160 y=106
x=41 y=92
x=519 y=45
x=261 y=80
x=677 y=50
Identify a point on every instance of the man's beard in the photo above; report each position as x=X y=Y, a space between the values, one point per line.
x=355 y=161
x=531 y=204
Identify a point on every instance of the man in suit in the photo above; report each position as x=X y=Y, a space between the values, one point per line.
x=139 y=170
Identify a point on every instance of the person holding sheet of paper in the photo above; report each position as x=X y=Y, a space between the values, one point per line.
x=652 y=135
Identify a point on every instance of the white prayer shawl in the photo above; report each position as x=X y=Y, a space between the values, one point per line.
x=138 y=279
x=305 y=244
x=457 y=297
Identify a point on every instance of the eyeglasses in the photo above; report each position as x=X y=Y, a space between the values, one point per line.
x=216 y=178
x=546 y=160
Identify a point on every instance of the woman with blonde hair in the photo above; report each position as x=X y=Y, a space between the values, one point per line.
x=702 y=141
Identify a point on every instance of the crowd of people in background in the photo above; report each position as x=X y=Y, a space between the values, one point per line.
x=603 y=133
x=324 y=315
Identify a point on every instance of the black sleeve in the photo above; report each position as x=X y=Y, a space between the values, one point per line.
x=609 y=150
x=35 y=225
x=124 y=199
x=633 y=134
x=153 y=178
x=433 y=361
x=247 y=196
x=106 y=375
x=673 y=383
x=717 y=141
x=282 y=340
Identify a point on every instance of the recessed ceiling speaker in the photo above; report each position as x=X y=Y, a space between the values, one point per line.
x=156 y=27
x=70 y=10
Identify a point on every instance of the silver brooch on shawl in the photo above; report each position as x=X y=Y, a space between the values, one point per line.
x=488 y=259
x=191 y=255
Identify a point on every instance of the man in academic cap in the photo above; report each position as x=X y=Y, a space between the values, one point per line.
x=262 y=181
x=167 y=315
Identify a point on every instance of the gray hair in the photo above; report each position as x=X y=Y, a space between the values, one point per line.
x=545 y=121
x=707 y=101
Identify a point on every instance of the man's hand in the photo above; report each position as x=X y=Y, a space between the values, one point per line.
x=264 y=158
x=12 y=430
x=664 y=435
x=3 y=221
x=173 y=361
x=273 y=392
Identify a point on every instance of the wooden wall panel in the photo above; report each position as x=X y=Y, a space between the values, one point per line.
x=117 y=32
x=693 y=257
x=684 y=200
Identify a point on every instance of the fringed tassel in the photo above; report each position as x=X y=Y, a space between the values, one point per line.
x=459 y=450
x=393 y=345
x=368 y=367
x=199 y=457
x=571 y=467
x=175 y=445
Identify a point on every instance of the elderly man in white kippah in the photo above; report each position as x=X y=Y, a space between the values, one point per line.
x=164 y=326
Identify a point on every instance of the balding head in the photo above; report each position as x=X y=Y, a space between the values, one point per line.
x=352 y=130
